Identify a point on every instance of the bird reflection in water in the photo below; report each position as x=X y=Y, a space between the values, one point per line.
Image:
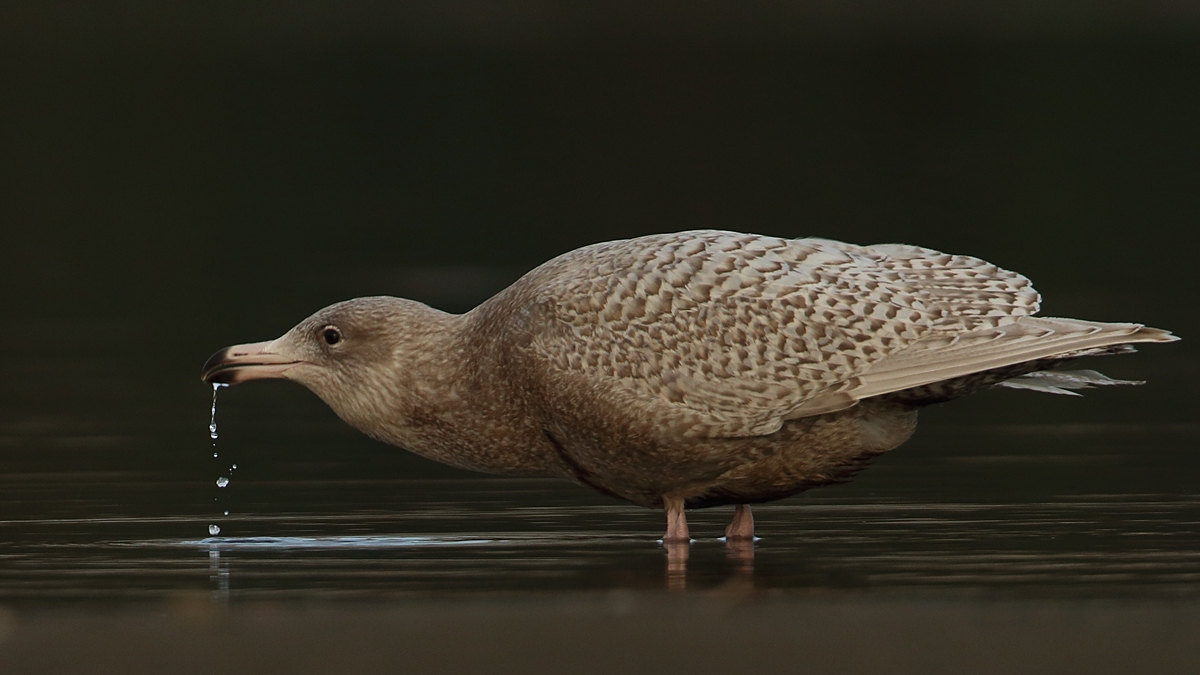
x=219 y=573
x=739 y=552
x=677 y=557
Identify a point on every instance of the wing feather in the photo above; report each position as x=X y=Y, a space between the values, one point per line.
x=712 y=333
x=1028 y=339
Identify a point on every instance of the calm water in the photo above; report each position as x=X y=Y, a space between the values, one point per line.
x=1080 y=508
x=489 y=536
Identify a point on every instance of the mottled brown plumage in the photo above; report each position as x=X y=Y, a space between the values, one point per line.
x=697 y=368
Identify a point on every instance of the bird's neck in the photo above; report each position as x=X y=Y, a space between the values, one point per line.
x=442 y=400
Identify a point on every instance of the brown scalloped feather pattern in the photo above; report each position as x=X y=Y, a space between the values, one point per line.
x=715 y=333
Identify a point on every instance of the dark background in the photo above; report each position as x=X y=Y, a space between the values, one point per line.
x=176 y=177
x=180 y=176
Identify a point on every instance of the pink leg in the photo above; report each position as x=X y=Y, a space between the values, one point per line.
x=742 y=526
x=677 y=529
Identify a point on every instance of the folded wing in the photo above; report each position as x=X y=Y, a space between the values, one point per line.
x=711 y=333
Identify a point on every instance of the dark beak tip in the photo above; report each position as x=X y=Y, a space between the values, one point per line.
x=225 y=376
x=206 y=372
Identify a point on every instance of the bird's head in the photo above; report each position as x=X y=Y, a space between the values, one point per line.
x=357 y=356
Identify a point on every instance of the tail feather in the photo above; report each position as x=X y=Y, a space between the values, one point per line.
x=1063 y=381
x=1028 y=339
x=1017 y=355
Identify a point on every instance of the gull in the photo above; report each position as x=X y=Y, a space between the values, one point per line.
x=686 y=370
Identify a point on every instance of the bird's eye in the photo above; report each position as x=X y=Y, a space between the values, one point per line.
x=332 y=335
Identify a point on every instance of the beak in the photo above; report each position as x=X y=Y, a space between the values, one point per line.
x=239 y=363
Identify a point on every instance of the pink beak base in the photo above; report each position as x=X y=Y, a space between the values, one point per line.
x=240 y=363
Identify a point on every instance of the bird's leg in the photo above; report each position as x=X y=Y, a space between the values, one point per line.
x=742 y=526
x=677 y=529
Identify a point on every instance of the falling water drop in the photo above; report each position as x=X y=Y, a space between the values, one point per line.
x=212 y=421
x=234 y=467
x=223 y=481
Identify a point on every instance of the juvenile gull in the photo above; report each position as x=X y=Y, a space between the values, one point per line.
x=686 y=370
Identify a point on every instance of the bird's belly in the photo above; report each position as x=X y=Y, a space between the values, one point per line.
x=812 y=452
x=805 y=453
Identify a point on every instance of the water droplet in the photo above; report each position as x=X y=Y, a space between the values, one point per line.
x=212 y=433
x=212 y=421
x=234 y=466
